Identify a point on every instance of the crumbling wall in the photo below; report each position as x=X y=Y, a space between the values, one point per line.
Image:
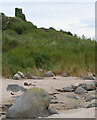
x=18 y=13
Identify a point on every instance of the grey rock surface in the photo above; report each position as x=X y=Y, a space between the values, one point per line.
x=91 y=98
x=68 y=89
x=89 y=77
x=92 y=105
x=15 y=88
x=80 y=90
x=49 y=74
x=33 y=103
x=18 y=75
x=88 y=86
x=65 y=74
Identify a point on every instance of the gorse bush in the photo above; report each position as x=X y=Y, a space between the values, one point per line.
x=28 y=48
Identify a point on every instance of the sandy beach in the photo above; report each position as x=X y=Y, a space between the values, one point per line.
x=64 y=107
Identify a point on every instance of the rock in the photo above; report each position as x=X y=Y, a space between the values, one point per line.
x=26 y=84
x=68 y=89
x=76 y=85
x=21 y=74
x=78 y=106
x=72 y=96
x=29 y=76
x=88 y=86
x=33 y=103
x=92 y=105
x=15 y=88
x=52 y=112
x=49 y=74
x=89 y=77
x=91 y=98
x=64 y=74
x=12 y=93
x=80 y=90
x=18 y=75
x=53 y=101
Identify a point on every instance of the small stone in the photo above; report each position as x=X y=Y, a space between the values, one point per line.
x=18 y=75
x=49 y=74
x=12 y=93
x=90 y=98
x=68 y=89
x=89 y=77
x=76 y=85
x=29 y=76
x=64 y=74
x=80 y=90
x=26 y=84
x=92 y=105
x=53 y=101
x=52 y=112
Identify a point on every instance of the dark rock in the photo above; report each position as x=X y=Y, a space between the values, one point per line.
x=15 y=88
x=33 y=103
x=26 y=84
x=12 y=93
x=92 y=105
x=64 y=74
x=90 y=98
x=89 y=77
x=72 y=96
x=51 y=112
x=53 y=101
x=49 y=74
x=68 y=89
x=80 y=90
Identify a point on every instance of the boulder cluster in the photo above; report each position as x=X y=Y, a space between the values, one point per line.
x=80 y=88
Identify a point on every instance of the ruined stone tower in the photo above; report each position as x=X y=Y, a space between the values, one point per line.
x=18 y=13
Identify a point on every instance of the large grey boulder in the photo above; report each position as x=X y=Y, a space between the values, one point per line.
x=31 y=104
x=80 y=90
x=18 y=75
x=49 y=74
x=15 y=88
x=89 y=77
x=65 y=74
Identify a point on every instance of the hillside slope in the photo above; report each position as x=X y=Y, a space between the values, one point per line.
x=28 y=48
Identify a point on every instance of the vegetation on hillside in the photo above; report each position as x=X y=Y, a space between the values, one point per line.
x=28 y=48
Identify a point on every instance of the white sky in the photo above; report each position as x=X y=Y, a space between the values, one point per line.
x=77 y=16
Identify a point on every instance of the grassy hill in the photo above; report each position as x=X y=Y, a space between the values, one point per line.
x=28 y=48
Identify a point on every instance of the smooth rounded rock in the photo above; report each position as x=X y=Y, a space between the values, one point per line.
x=64 y=74
x=49 y=74
x=80 y=90
x=68 y=89
x=31 y=104
x=88 y=86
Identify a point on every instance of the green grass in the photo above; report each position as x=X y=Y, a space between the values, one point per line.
x=28 y=48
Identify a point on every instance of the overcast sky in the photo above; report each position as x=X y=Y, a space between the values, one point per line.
x=77 y=16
